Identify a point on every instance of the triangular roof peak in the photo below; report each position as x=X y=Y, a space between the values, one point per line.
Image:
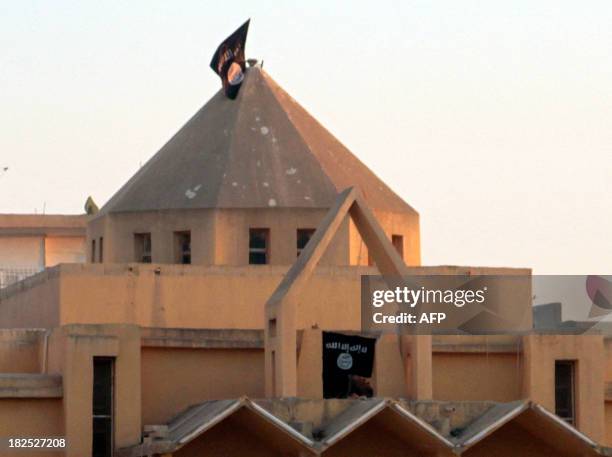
x=197 y=420
x=418 y=431
x=544 y=425
x=260 y=150
x=280 y=309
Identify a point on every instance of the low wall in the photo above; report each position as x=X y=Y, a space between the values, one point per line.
x=32 y=417
x=188 y=296
x=173 y=379
x=477 y=376
x=21 y=350
x=33 y=302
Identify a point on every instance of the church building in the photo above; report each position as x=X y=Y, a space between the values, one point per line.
x=194 y=324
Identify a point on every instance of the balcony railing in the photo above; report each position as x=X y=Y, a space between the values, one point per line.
x=11 y=275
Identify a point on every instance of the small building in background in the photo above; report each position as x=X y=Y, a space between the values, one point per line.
x=31 y=242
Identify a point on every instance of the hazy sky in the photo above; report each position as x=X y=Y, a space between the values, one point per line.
x=492 y=118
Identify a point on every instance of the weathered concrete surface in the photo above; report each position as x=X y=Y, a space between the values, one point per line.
x=42 y=224
x=540 y=353
x=22 y=350
x=30 y=385
x=188 y=296
x=258 y=161
x=371 y=427
x=242 y=153
x=202 y=338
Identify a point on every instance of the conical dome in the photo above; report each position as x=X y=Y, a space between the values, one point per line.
x=261 y=150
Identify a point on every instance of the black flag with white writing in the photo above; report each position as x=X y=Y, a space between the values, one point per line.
x=229 y=62
x=345 y=356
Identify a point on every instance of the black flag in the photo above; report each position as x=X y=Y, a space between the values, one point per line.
x=229 y=62
x=343 y=357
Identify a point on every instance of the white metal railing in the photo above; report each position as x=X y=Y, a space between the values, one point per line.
x=11 y=275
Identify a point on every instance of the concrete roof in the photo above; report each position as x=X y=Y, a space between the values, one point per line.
x=394 y=416
x=405 y=423
x=543 y=424
x=261 y=150
x=348 y=420
x=490 y=421
x=42 y=224
x=200 y=418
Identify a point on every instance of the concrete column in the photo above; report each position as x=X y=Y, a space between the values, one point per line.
x=392 y=268
x=587 y=351
x=419 y=369
x=80 y=344
x=310 y=364
x=42 y=257
x=203 y=241
x=389 y=375
x=162 y=244
x=280 y=352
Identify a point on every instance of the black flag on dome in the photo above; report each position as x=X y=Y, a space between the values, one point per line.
x=229 y=62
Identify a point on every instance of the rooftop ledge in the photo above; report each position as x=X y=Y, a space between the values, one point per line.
x=202 y=338
x=30 y=385
x=117 y=269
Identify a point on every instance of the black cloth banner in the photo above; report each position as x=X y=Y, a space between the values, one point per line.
x=343 y=356
x=229 y=62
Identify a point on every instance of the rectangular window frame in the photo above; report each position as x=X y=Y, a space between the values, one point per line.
x=309 y=232
x=256 y=251
x=142 y=252
x=397 y=241
x=182 y=255
x=93 y=251
x=569 y=416
x=107 y=417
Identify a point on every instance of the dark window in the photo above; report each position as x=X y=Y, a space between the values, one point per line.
x=103 y=380
x=564 y=390
x=259 y=250
x=142 y=245
x=93 y=251
x=101 y=247
x=182 y=244
x=398 y=244
x=303 y=237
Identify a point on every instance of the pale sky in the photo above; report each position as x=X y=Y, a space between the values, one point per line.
x=492 y=118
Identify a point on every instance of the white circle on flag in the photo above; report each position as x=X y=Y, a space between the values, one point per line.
x=235 y=74
x=345 y=361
